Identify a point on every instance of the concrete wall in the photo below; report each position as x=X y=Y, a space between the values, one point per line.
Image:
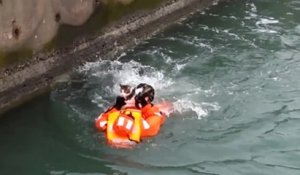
x=32 y=23
x=23 y=81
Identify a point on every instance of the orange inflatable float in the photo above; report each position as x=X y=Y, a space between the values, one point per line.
x=126 y=127
x=133 y=116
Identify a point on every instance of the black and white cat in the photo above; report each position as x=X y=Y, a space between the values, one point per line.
x=130 y=93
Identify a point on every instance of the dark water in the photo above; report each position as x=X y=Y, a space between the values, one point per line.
x=232 y=74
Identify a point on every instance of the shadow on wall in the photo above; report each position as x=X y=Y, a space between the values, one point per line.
x=33 y=24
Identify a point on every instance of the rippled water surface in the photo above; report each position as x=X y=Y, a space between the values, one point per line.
x=232 y=73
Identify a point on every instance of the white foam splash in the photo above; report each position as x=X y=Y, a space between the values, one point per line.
x=215 y=2
x=201 y=109
x=297 y=29
x=179 y=67
x=87 y=66
x=263 y=25
x=186 y=105
x=295 y=5
x=122 y=55
x=196 y=41
x=263 y=21
x=212 y=14
x=104 y=103
x=253 y=8
x=252 y=12
x=265 y=31
x=131 y=73
x=192 y=41
x=238 y=37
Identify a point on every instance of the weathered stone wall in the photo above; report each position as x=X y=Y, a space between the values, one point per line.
x=32 y=23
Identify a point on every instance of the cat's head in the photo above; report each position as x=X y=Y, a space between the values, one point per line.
x=126 y=91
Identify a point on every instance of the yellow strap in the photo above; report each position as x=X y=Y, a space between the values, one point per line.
x=110 y=133
x=135 y=135
x=137 y=127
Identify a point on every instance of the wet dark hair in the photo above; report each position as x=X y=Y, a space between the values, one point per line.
x=147 y=91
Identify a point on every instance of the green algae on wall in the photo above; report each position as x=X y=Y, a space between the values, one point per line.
x=15 y=56
x=104 y=15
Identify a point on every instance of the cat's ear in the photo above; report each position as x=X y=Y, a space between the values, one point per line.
x=121 y=87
